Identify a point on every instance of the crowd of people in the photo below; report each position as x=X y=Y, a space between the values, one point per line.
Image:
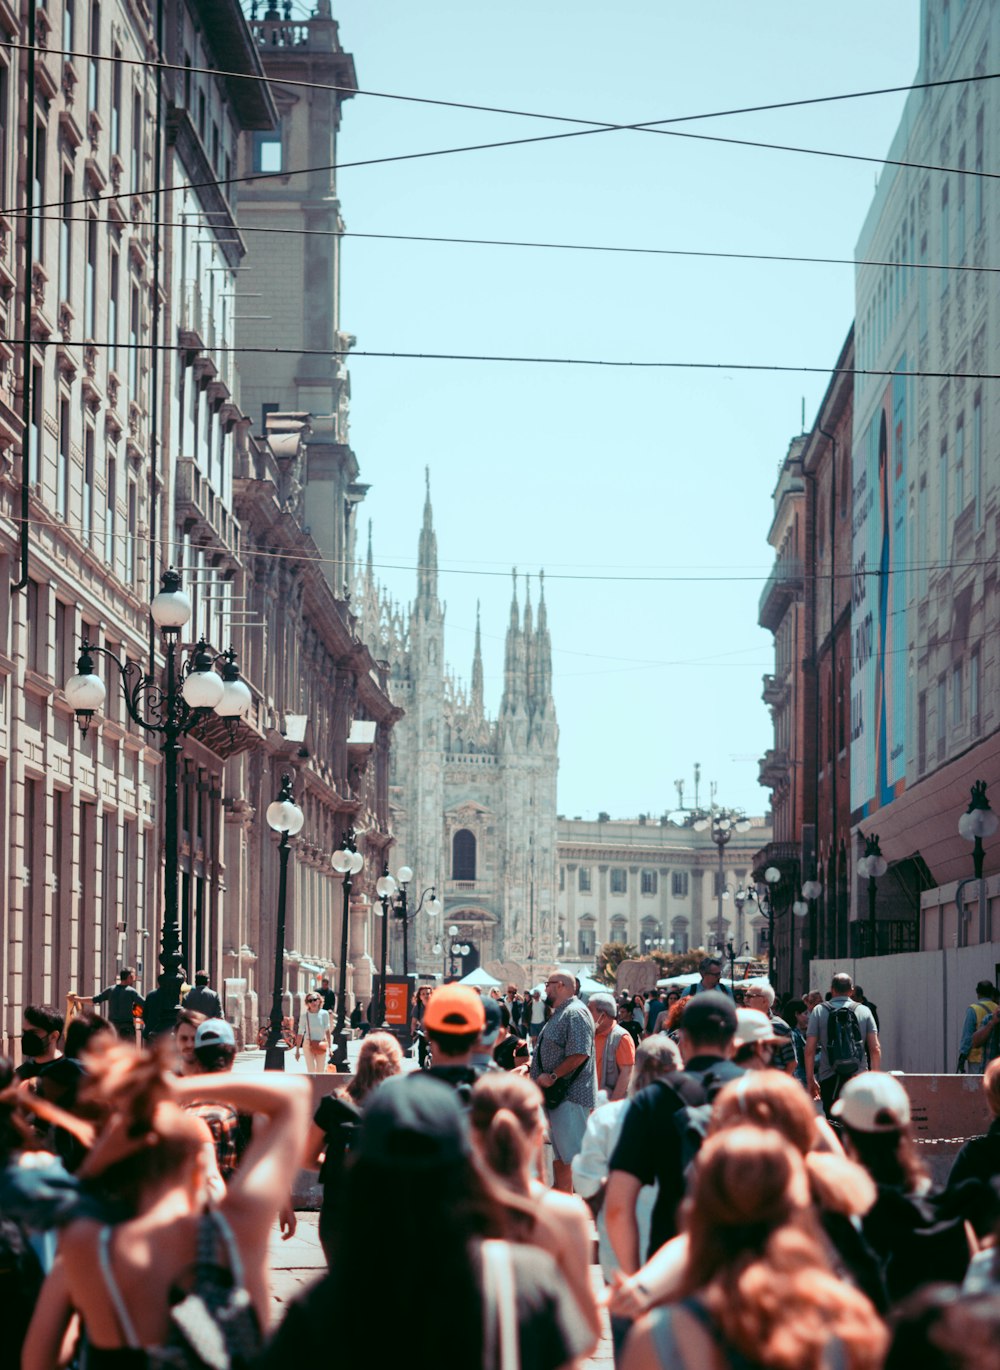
x=758 y=1197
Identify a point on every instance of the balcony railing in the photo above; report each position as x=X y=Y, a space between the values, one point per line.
x=784 y=584
x=891 y=936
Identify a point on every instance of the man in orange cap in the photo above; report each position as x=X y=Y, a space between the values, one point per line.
x=453 y=1021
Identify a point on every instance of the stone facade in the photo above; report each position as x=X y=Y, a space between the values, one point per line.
x=473 y=798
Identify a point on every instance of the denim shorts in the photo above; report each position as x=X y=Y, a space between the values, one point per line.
x=567 y=1124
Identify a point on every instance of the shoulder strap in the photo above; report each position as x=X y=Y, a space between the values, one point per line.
x=218 y=1221
x=114 y=1293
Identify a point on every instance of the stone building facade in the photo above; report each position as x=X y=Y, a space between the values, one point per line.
x=473 y=797
x=654 y=883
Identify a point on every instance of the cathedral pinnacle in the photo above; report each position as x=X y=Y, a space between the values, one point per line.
x=427 y=564
x=477 y=672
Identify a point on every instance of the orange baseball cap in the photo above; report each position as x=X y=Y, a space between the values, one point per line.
x=454 y=1009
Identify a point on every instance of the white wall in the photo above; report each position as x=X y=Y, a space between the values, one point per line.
x=921 y=998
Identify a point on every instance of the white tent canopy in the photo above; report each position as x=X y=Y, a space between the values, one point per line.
x=480 y=979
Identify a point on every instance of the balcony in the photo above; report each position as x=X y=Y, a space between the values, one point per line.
x=460 y=887
x=784 y=585
x=199 y=508
x=892 y=936
x=773 y=768
x=776 y=688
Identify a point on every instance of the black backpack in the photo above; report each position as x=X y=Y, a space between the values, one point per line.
x=845 y=1045
x=697 y=1093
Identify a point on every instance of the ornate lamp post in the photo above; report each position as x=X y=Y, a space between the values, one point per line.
x=189 y=692
x=766 y=899
x=723 y=822
x=348 y=862
x=434 y=906
x=872 y=866
x=284 y=816
x=977 y=822
x=457 y=949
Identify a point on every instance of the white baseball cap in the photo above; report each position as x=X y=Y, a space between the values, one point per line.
x=753 y=1026
x=873 y=1102
x=214 y=1032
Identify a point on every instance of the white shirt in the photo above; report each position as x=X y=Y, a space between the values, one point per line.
x=314 y=1026
x=538 y=1010
x=590 y=1170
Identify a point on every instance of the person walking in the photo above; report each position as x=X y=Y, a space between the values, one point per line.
x=201 y=999
x=843 y=1035
x=535 y=1014
x=314 y=1034
x=563 y=1052
x=328 y=995
x=614 y=1049
x=122 y=1000
x=710 y=971
x=41 y=1029
x=980 y=1042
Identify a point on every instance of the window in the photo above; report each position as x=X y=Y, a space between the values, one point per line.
x=922 y=731
x=87 y=519
x=957 y=695
x=113 y=310
x=648 y=882
x=69 y=25
x=136 y=142
x=945 y=26
x=679 y=884
x=116 y=101
x=6 y=131
x=959 y=465
x=944 y=532
x=679 y=930
x=39 y=193
x=109 y=517
x=583 y=880
x=977 y=457
x=974 y=690
x=90 y=281
x=960 y=214
x=942 y=715
x=618 y=931
x=586 y=939
x=133 y=350
x=922 y=548
x=945 y=237
x=922 y=289
x=619 y=880
x=62 y=470
x=979 y=171
x=63 y=643
x=94 y=67
x=267 y=152
x=33 y=615
x=463 y=855
x=66 y=236
x=562 y=878
x=35 y=433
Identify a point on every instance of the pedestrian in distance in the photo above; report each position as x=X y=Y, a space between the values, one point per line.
x=796 y=1015
x=759 y=995
x=563 y=1068
x=185 y=1037
x=201 y=999
x=122 y=1000
x=41 y=1030
x=614 y=1049
x=858 y=995
x=413 y=1175
x=980 y=1042
x=755 y=1041
x=314 y=1036
x=536 y=1014
x=841 y=1042
x=328 y=995
x=710 y=971
x=670 y=998
x=751 y=1233
x=454 y=1020
x=356 y=1019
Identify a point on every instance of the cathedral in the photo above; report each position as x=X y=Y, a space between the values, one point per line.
x=473 y=798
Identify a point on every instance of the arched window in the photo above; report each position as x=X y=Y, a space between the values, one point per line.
x=463 y=855
x=679 y=929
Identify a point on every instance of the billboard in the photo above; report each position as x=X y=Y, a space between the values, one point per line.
x=878 y=605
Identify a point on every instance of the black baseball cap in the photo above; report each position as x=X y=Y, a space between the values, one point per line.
x=412 y=1122
x=494 y=1021
x=709 y=1013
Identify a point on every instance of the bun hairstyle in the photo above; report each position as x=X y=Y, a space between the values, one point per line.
x=504 y=1116
x=379 y=1058
x=757 y=1259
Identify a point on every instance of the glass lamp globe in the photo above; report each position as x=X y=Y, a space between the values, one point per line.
x=700 y=824
x=453 y=930
x=341 y=860
x=724 y=824
x=385 y=887
x=743 y=825
x=465 y=949
x=203 y=689
x=863 y=869
x=772 y=875
x=877 y=865
x=85 y=692
x=357 y=862
x=404 y=875
x=812 y=889
x=284 y=815
x=437 y=949
x=434 y=906
x=171 y=607
x=978 y=823
x=236 y=698
x=800 y=908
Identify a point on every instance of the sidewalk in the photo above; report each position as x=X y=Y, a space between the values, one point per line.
x=295 y=1264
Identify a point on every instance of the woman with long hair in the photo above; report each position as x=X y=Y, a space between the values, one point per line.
x=336 y=1120
x=412 y=1184
x=124 y=1278
x=507 y=1117
x=757 y=1287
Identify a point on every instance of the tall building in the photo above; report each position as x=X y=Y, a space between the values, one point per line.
x=473 y=797
x=926 y=483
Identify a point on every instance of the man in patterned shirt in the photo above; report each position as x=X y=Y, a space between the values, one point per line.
x=564 y=1049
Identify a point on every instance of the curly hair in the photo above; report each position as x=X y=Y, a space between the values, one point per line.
x=758 y=1263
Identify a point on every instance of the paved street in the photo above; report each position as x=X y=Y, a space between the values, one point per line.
x=295 y=1264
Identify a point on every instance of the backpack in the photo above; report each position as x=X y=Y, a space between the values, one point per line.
x=697 y=1093
x=844 y=1046
x=919 y=1238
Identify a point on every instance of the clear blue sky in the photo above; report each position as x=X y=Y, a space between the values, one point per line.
x=599 y=475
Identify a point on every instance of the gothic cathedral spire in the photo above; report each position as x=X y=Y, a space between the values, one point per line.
x=427 y=558
x=477 y=707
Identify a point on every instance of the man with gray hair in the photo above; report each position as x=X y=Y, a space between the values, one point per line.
x=614 y=1049
x=759 y=994
x=563 y=1068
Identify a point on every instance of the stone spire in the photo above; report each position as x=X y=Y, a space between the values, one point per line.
x=427 y=557
x=369 y=561
x=528 y=638
x=542 y=654
x=513 y=677
x=476 y=702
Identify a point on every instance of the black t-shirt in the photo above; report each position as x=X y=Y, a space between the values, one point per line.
x=550 y=1330
x=121 y=1000
x=649 y=1145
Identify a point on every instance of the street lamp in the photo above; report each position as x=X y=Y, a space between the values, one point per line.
x=765 y=900
x=457 y=949
x=385 y=888
x=190 y=691
x=406 y=914
x=284 y=816
x=347 y=862
x=977 y=822
x=872 y=866
x=723 y=822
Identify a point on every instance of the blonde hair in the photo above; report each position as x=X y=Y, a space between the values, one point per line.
x=757 y=1260
x=379 y=1058
x=504 y=1116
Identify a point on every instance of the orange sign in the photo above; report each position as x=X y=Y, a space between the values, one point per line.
x=396 y=1005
